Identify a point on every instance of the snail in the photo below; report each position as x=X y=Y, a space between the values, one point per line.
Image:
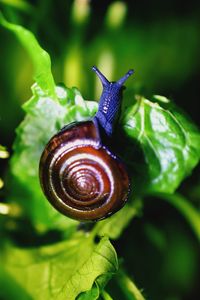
x=79 y=174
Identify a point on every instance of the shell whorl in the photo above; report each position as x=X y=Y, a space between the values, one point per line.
x=80 y=176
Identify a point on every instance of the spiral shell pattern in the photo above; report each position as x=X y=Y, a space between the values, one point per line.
x=81 y=177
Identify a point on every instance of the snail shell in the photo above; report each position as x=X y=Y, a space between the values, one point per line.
x=80 y=176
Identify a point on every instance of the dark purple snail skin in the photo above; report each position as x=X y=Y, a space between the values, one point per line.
x=79 y=174
x=110 y=100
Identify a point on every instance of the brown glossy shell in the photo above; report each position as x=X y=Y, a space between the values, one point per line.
x=81 y=177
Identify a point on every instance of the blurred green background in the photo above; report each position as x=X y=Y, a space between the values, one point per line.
x=161 y=41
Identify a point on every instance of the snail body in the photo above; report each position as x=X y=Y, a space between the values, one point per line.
x=79 y=173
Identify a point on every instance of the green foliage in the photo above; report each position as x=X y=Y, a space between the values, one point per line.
x=168 y=141
x=114 y=226
x=40 y=57
x=161 y=148
x=59 y=271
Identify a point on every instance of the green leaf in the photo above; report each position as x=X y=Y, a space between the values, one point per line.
x=97 y=288
x=114 y=225
x=44 y=117
x=61 y=271
x=40 y=58
x=92 y=294
x=163 y=145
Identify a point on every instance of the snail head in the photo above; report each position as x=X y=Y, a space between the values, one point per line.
x=109 y=103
